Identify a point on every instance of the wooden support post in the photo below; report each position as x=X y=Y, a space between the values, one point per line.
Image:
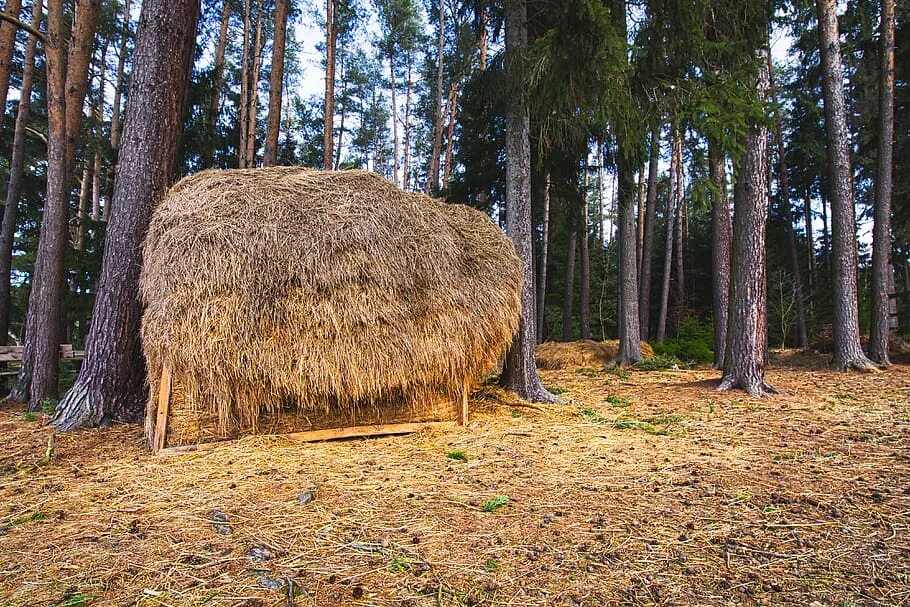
x=463 y=408
x=164 y=403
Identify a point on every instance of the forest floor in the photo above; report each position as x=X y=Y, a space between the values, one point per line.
x=642 y=488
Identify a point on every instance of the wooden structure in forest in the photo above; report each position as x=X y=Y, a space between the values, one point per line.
x=317 y=305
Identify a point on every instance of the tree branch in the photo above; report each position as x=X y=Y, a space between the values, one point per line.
x=23 y=25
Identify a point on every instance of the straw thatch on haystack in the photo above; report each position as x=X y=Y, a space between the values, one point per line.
x=585 y=353
x=289 y=288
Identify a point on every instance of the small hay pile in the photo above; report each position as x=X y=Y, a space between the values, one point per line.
x=317 y=290
x=586 y=353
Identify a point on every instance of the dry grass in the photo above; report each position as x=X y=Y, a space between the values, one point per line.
x=322 y=289
x=645 y=488
x=583 y=354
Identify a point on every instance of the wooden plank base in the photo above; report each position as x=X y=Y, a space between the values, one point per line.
x=310 y=436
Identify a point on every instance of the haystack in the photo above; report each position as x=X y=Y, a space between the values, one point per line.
x=312 y=292
x=585 y=353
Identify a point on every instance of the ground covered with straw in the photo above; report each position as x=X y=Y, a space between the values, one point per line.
x=643 y=488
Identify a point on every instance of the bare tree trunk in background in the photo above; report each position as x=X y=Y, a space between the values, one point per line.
x=243 y=111
x=406 y=167
x=810 y=240
x=396 y=169
x=17 y=164
x=600 y=194
x=568 y=307
x=647 y=245
x=640 y=220
x=720 y=250
x=341 y=113
x=208 y=160
x=519 y=372
x=98 y=115
x=668 y=248
x=879 y=335
x=585 y=303
x=252 y=108
x=544 y=246
x=783 y=186
x=67 y=79
x=450 y=136
x=680 y=303
x=111 y=385
x=116 y=109
x=483 y=42
x=433 y=174
x=276 y=82
x=826 y=235
x=629 y=323
x=744 y=366
x=82 y=208
x=7 y=45
x=329 y=113
x=848 y=352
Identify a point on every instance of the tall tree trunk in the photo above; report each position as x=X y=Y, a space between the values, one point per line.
x=14 y=187
x=482 y=42
x=783 y=186
x=744 y=365
x=252 y=108
x=115 y=107
x=668 y=248
x=450 y=136
x=433 y=173
x=881 y=238
x=82 y=208
x=243 y=111
x=848 y=352
x=98 y=115
x=720 y=250
x=640 y=221
x=344 y=106
x=568 y=307
x=826 y=235
x=67 y=79
x=519 y=372
x=680 y=303
x=111 y=382
x=629 y=322
x=810 y=238
x=7 y=45
x=218 y=77
x=406 y=167
x=395 y=145
x=329 y=113
x=544 y=247
x=585 y=303
x=647 y=245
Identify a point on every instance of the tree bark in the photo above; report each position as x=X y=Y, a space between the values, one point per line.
x=647 y=245
x=744 y=365
x=584 y=315
x=810 y=238
x=218 y=76
x=111 y=382
x=395 y=144
x=7 y=45
x=406 y=166
x=433 y=172
x=519 y=372
x=98 y=115
x=115 y=108
x=680 y=303
x=341 y=114
x=329 y=113
x=252 y=107
x=881 y=238
x=668 y=244
x=640 y=221
x=600 y=195
x=544 y=246
x=14 y=187
x=243 y=110
x=568 y=304
x=848 y=352
x=82 y=208
x=629 y=324
x=720 y=250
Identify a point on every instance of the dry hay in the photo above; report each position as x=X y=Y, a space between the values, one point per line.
x=585 y=353
x=795 y=500
x=322 y=290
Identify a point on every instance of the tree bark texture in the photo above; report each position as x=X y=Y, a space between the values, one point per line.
x=744 y=364
x=720 y=250
x=519 y=372
x=647 y=244
x=568 y=303
x=668 y=245
x=253 y=105
x=881 y=238
x=544 y=247
x=218 y=78
x=584 y=315
x=680 y=300
x=433 y=172
x=329 y=113
x=629 y=325
x=7 y=45
x=111 y=382
x=14 y=186
x=848 y=352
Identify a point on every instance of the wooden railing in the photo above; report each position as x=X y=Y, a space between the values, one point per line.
x=14 y=353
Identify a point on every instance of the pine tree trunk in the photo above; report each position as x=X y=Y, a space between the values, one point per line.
x=629 y=324
x=111 y=385
x=243 y=110
x=720 y=250
x=406 y=167
x=519 y=373
x=328 y=130
x=668 y=246
x=252 y=108
x=82 y=207
x=98 y=114
x=881 y=239
x=568 y=307
x=17 y=164
x=810 y=238
x=116 y=109
x=585 y=303
x=647 y=245
x=600 y=195
x=67 y=78
x=450 y=136
x=482 y=42
x=680 y=303
x=848 y=352
x=7 y=45
x=218 y=77
x=433 y=173
x=339 y=145
x=744 y=364
x=395 y=144
x=640 y=220
x=544 y=247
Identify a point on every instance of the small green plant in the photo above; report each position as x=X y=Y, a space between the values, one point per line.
x=516 y=413
x=593 y=416
x=661 y=362
x=458 y=455
x=555 y=390
x=48 y=406
x=620 y=373
x=491 y=564
x=31 y=416
x=587 y=372
x=496 y=503
x=34 y=516
x=74 y=600
x=617 y=402
x=399 y=564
